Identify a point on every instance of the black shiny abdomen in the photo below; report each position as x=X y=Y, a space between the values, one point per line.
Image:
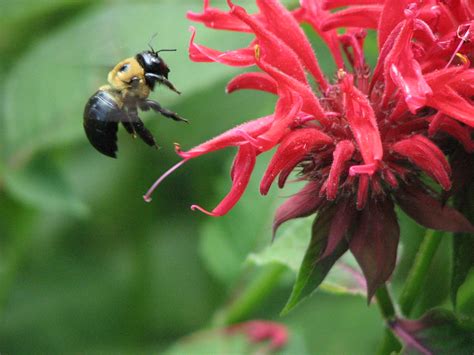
x=101 y=117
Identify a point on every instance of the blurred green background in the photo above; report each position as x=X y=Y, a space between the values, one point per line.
x=85 y=264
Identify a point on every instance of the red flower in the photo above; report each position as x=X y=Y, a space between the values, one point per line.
x=364 y=141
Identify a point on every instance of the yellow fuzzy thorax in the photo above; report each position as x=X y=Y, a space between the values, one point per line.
x=122 y=80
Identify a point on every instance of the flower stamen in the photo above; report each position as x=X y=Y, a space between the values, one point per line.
x=147 y=196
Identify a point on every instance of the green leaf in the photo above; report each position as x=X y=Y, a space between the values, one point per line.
x=463 y=261
x=42 y=185
x=463 y=243
x=45 y=92
x=313 y=271
x=437 y=332
x=289 y=248
x=465 y=296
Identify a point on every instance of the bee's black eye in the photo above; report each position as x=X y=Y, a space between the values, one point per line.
x=124 y=68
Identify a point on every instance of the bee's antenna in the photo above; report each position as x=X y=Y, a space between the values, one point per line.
x=166 y=50
x=151 y=39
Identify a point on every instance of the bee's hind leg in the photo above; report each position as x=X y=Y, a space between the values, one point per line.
x=139 y=128
x=148 y=104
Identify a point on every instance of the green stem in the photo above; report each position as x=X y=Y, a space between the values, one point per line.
x=390 y=343
x=417 y=274
x=385 y=303
x=251 y=296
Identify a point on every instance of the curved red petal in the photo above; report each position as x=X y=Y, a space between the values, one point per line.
x=427 y=156
x=296 y=146
x=332 y=4
x=356 y=16
x=312 y=13
x=272 y=49
x=243 y=57
x=343 y=153
x=253 y=81
x=392 y=14
x=232 y=137
x=401 y=67
x=243 y=167
x=361 y=118
x=452 y=104
x=311 y=103
x=285 y=26
x=215 y=18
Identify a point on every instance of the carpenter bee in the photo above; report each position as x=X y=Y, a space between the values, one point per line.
x=130 y=83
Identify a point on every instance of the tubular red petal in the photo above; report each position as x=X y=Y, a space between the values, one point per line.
x=361 y=118
x=243 y=57
x=272 y=49
x=356 y=16
x=303 y=204
x=452 y=104
x=374 y=243
x=253 y=81
x=420 y=205
x=243 y=167
x=286 y=114
x=427 y=156
x=312 y=13
x=284 y=25
x=362 y=191
x=295 y=147
x=462 y=133
x=343 y=153
x=311 y=103
x=332 y=4
x=392 y=14
x=232 y=137
x=401 y=67
x=215 y=18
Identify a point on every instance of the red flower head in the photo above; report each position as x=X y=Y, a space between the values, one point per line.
x=363 y=141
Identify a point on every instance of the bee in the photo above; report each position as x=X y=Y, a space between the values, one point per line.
x=130 y=83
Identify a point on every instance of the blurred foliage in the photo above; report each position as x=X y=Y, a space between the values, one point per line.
x=85 y=264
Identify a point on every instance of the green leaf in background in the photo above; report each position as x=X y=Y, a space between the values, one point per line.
x=437 y=332
x=44 y=99
x=46 y=89
x=465 y=296
x=289 y=248
x=42 y=185
x=463 y=243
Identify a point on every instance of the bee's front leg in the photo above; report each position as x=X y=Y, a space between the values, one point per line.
x=148 y=104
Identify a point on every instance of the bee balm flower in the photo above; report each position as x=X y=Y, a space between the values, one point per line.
x=364 y=141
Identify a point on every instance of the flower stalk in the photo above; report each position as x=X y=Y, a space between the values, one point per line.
x=251 y=296
x=418 y=271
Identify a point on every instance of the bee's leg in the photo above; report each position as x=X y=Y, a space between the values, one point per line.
x=129 y=128
x=139 y=128
x=147 y=104
x=161 y=79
